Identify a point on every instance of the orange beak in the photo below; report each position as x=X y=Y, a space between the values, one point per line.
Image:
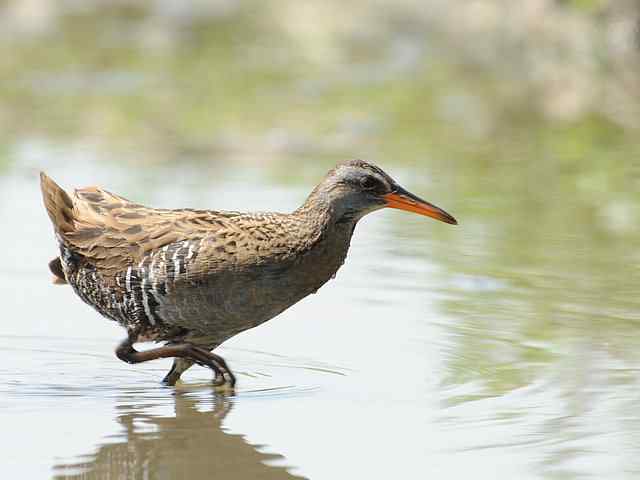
x=404 y=200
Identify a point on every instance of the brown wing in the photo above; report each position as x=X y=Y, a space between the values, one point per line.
x=111 y=232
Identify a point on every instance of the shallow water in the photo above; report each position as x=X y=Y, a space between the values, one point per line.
x=456 y=352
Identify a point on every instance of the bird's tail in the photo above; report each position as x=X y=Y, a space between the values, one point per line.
x=61 y=212
x=58 y=204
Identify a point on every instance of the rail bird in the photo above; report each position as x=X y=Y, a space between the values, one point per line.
x=191 y=279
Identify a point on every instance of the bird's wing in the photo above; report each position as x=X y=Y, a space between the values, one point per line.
x=112 y=232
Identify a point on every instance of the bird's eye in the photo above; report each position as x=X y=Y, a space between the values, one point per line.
x=368 y=183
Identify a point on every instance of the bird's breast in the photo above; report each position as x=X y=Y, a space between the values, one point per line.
x=232 y=300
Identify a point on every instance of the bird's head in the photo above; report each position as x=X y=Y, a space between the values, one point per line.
x=356 y=188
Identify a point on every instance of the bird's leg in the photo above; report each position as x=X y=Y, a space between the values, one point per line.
x=127 y=353
x=225 y=368
x=205 y=345
x=180 y=365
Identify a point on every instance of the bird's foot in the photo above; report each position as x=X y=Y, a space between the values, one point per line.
x=172 y=377
x=223 y=387
x=223 y=374
x=219 y=380
x=224 y=380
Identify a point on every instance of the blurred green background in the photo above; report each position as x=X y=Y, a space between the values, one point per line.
x=544 y=85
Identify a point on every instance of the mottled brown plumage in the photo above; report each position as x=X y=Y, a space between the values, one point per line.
x=194 y=278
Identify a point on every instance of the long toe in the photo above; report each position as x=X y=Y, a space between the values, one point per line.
x=232 y=378
x=219 y=381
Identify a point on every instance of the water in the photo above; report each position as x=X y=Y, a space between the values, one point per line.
x=504 y=347
x=433 y=352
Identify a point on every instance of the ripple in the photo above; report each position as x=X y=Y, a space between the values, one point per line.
x=63 y=368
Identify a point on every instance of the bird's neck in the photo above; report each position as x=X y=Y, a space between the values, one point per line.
x=330 y=229
x=320 y=208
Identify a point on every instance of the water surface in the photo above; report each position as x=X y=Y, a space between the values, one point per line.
x=437 y=350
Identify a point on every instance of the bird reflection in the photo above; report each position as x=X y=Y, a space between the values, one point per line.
x=192 y=444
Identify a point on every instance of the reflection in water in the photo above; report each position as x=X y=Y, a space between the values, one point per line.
x=516 y=337
x=191 y=444
x=526 y=357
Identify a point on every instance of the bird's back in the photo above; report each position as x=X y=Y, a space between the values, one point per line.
x=159 y=271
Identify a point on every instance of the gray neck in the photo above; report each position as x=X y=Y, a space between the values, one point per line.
x=330 y=215
x=332 y=229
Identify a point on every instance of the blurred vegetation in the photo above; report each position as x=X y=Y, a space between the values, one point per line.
x=391 y=80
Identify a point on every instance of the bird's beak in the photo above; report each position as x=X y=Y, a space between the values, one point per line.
x=404 y=200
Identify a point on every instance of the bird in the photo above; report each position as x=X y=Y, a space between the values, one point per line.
x=191 y=279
